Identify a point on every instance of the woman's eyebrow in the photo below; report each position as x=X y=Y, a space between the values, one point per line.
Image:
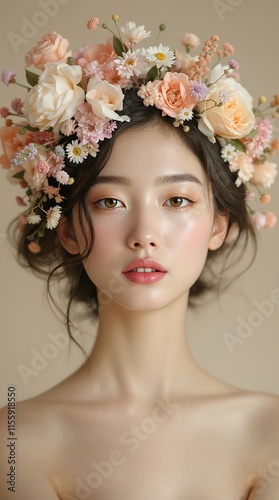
x=164 y=179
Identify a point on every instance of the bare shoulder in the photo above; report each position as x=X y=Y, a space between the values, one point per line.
x=258 y=415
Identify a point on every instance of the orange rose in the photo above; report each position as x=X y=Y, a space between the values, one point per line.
x=51 y=48
x=12 y=142
x=102 y=53
x=174 y=94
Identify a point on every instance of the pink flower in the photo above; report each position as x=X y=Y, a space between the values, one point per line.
x=258 y=220
x=4 y=112
x=43 y=167
x=228 y=49
x=102 y=53
x=17 y=104
x=93 y=23
x=51 y=48
x=190 y=41
x=20 y=201
x=174 y=94
x=264 y=174
x=257 y=144
x=270 y=221
x=90 y=128
x=8 y=76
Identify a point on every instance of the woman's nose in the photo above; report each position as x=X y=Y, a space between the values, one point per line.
x=144 y=231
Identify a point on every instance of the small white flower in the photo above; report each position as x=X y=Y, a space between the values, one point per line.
x=62 y=177
x=76 y=152
x=33 y=218
x=228 y=152
x=53 y=215
x=185 y=114
x=92 y=149
x=159 y=56
x=135 y=34
x=131 y=63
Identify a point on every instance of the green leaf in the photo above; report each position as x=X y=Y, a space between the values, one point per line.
x=152 y=74
x=252 y=133
x=19 y=175
x=28 y=127
x=118 y=46
x=32 y=78
x=238 y=145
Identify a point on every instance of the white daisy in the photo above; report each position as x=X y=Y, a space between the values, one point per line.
x=131 y=63
x=159 y=56
x=76 y=152
x=185 y=114
x=228 y=152
x=33 y=218
x=53 y=215
x=135 y=34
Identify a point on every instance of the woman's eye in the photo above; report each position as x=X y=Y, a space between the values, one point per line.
x=109 y=203
x=177 y=202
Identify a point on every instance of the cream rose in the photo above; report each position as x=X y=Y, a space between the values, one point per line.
x=264 y=174
x=234 y=119
x=174 y=94
x=51 y=48
x=104 y=99
x=55 y=98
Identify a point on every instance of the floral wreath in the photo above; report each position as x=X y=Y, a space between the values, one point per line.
x=80 y=93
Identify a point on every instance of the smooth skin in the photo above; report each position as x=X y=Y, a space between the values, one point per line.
x=141 y=420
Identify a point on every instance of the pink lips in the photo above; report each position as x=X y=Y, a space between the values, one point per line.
x=144 y=277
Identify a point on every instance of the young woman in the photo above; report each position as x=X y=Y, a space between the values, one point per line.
x=135 y=228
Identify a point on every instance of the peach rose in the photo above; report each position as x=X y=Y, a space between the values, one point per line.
x=51 y=48
x=234 y=119
x=104 y=99
x=56 y=97
x=264 y=174
x=102 y=53
x=173 y=94
x=12 y=142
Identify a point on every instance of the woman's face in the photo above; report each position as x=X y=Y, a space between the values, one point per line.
x=150 y=201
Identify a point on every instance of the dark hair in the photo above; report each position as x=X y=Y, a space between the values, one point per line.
x=56 y=263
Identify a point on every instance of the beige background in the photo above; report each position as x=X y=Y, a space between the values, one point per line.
x=34 y=355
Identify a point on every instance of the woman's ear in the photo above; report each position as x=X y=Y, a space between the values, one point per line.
x=66 y=236
x=219 y=231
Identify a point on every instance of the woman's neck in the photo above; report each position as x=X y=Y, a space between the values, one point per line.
x=144 y=355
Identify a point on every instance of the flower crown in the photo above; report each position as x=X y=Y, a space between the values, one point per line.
x=79 y=93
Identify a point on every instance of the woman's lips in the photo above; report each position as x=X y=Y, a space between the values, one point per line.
x=144 y=271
